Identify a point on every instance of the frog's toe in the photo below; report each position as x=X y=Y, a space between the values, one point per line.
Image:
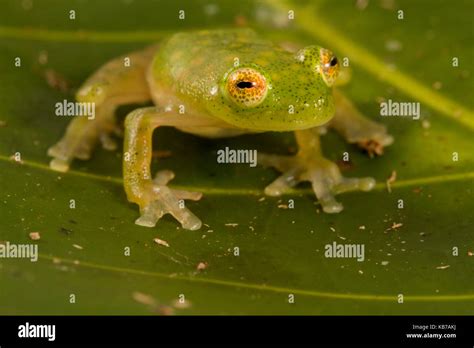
x=61 y=160
x=327 y=182
x=64 y=151
x=326 y=198
x=354 y=184
x=108 y=143
x=83 y=151
x=283 y=183
x=323 y=177
x=169 y=201
x=59 y=165
x=150 y=214
x=288 y=165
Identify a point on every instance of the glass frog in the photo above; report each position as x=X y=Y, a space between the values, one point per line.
x=214 y=84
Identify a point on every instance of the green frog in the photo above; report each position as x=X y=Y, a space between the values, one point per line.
x=214 y=84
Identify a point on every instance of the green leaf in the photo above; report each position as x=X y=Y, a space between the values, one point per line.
x=281 y=251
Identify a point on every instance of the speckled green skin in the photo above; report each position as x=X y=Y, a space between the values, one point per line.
x=191 y=69
x=195 y=82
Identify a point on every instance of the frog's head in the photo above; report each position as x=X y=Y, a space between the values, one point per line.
x=279 y=92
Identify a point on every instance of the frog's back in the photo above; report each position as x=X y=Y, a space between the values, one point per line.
x=192 y=63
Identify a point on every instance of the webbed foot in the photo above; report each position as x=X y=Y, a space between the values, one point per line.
x=168 y=201
x=324 y=176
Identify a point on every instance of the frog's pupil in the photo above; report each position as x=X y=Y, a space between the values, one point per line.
x=245 y=84
x=333 y=61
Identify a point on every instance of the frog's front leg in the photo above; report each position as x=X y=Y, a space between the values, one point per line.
x=114 y=84
x=357 y=129
x=310 y=165
x=153 y=196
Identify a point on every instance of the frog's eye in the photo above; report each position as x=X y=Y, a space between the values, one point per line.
x=329 y=66
x=246 y=87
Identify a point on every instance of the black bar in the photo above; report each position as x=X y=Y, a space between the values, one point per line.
x=133 y=330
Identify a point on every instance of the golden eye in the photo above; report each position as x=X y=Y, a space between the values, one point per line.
x=329 y=66
x=246 y=87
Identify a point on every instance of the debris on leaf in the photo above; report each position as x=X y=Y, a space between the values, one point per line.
x=240 y=21
x=43 y=57
x=56 y=80
x=391 y=180
x=161 y=242
x=437 y=85
x=443 y=267
x=393 y=45
x=394 y=226
x=77 y=246
x=144 y=298
x=372 y=147
x=154 y=306
x=201 y=266
x=425 y=124
x=34 y=235
x=66 y=231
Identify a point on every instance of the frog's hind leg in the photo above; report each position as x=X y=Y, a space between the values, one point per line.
x=357 y=129
x=310 y=165
x=154 y=197
x=116 y=83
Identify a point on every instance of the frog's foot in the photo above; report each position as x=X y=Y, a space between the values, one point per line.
x=168 y=201
x=106 y=137
x=324 y=175
x=357 y=129
x=79 y=142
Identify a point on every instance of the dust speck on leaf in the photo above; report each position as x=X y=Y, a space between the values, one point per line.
x=161 y=242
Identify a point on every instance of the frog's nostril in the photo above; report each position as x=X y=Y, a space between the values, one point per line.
x=245 y=84
x=333 y=61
